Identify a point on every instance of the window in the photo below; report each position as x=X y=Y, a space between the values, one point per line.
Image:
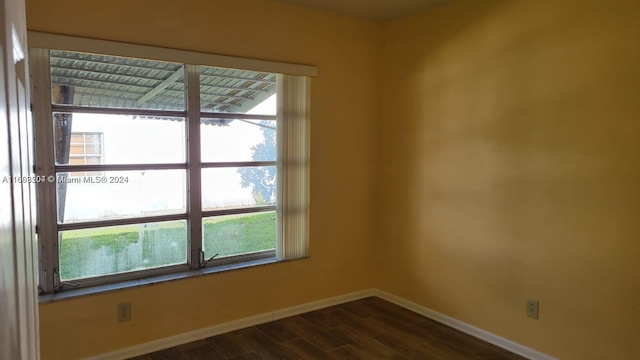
x=85 y=148
x=162 y=166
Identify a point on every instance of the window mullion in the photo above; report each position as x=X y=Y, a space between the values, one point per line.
x=44 y=168
x=194 y=190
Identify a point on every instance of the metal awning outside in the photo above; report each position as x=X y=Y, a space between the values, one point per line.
x=109 y=81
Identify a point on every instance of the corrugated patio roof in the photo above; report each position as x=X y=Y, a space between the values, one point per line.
x=108 y=81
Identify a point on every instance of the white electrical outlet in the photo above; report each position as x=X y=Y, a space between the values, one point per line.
x=532 y=309
x=124 y=311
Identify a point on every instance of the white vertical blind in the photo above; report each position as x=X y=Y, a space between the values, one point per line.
x=293 y=166
x=194 y=157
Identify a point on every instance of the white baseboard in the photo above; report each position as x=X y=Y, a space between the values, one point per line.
x=464 y=327
x=199 y=334
x=195 y=335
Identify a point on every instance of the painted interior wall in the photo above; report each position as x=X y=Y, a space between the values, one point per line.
x=509 y=169
x=347 y=53
x=503 y=166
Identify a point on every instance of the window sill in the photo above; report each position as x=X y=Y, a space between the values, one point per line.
x=129 y=284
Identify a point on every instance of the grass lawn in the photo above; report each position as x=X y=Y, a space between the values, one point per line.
x=95 y=252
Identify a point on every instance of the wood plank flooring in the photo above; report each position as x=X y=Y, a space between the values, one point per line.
x=370 y=328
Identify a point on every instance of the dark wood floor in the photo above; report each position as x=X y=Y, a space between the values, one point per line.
x=365 y=329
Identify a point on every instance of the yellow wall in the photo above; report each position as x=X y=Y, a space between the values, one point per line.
x=499 y=162
x=510 y=169
x=347 y=54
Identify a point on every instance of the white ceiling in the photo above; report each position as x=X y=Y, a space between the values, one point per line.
x=376 y=10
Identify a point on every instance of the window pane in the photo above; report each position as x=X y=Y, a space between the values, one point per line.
x=115 y=82
x=77 y=150
x=93 y=149
x=120 y=139
x=236 y=91
x=93 y=139
x=238 y=187
x=120 y=194
x=238 y=140
x=239 y=234
x=110 y=250
x=92 y=160
x=80 y=160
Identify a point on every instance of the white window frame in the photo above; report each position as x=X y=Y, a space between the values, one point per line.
x=293 y=118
